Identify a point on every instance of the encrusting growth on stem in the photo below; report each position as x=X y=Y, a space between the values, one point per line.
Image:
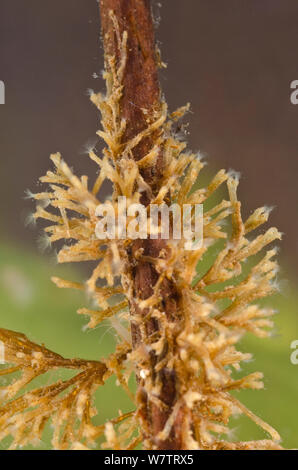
x=174 y=331
x=140 y=104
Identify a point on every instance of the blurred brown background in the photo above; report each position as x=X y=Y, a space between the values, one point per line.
x=233 y=60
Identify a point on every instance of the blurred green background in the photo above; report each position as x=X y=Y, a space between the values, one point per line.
x=234 y=61
x=31 y=304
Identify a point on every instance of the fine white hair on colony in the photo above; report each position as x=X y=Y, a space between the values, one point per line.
x=235 y=175
x=123 y=332
x=269 y=209
x=44 y=243
x=29 y=194
x=42 y=202
x=201 y=157
x=30 y=220
x=89 y=146
x=89 y=92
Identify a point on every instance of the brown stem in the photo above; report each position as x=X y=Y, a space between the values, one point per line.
x=140 y=101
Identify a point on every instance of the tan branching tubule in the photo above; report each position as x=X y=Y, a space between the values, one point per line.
x=198 y=346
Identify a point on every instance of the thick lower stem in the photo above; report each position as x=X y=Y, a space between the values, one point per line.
x=140 y=103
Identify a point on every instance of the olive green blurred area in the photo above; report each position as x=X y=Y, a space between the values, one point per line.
x=30 y=303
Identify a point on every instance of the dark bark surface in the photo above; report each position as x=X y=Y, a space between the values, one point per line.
x=141 y=91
